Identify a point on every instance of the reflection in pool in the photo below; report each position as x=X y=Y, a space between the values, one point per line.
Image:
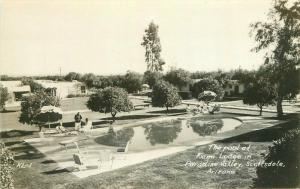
x=159 y=134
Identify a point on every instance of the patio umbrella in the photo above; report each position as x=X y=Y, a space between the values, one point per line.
x=49 y=114
x=210 y=93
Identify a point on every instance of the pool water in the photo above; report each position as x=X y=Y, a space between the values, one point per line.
x=170 y=133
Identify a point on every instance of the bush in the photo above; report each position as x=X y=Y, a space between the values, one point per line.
x=208 y=84
x=207 y=96
x=75 y=95
x=7 y=163
x=185 y=95
x=285 y=150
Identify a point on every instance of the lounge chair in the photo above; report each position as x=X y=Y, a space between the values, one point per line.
x=82 y=164
x=106 y=158
x=122 y=151
x=123 y=148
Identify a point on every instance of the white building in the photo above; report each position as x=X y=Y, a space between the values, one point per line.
x=234 y=87
x=15 y=90
x=63 y=89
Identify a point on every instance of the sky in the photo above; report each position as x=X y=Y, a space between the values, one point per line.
x=42 y=37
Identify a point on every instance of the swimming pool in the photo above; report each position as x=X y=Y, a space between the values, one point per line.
x=167 y=133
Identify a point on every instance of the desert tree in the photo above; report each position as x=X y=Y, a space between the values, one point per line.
x=32 y=103
x=178 y=77
x=110 y=100
x=132 y=82
x=151 y=42
x=151 y=78
x=4 y=96
x=279 y=37
x=260 y=92
x=165 y=95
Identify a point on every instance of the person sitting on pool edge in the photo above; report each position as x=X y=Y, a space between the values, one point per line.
x=61 y=128
x=87 y=126
x=77 y=118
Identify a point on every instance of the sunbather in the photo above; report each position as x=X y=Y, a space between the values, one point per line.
x=61 y=128
x=87 y=127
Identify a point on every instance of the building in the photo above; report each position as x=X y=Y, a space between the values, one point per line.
x=63 y=89
x=15 y=90
x=234 y=87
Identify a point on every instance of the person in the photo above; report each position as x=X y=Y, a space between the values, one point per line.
x=78 y=119
x=88 y=124
x=61 y=128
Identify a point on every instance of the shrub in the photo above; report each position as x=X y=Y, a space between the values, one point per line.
x=208 y=84
x=285 y=150
x=207 y=96
x=185 y=95
x=7 y=163
x=75 y=95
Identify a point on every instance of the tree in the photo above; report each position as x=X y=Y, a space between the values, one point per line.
x=73 y=76
x=260 y=92
x=132 y=82
x=207 y=84
x=151 y=78
x=243 y=76
x=178 y=77
x=32 y=103
x=280 y=38
x=34 y=86
x=89 y=79
x=4 y=96
x=152 y=45
x=110 y=100
x=165 y=95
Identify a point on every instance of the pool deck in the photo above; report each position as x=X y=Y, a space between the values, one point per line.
x=51 y=149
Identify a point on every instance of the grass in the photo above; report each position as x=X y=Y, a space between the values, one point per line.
x=165 y=172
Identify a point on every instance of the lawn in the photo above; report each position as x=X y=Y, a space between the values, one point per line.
x=166 y=172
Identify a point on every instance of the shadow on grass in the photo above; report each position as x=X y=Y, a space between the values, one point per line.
x=15 y=133
x=264 y=135
x=134 y=117
x=171 y=111
x=8 y=111
x=56 y=171
x=26 y=152
x=11 y=143
x=48 y=161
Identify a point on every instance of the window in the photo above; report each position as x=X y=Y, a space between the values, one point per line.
x=82 y=88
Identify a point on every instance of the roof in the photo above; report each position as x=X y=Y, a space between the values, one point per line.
x=24 y=88
x=56 y=84
x=15 y=86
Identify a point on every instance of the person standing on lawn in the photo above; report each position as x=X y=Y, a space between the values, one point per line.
x=77 y=118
